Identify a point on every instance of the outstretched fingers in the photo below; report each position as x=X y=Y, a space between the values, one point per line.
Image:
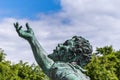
x=20 y=28
x=16 y=25
x=27 y=26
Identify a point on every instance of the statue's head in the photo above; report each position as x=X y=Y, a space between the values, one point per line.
x=76 y=50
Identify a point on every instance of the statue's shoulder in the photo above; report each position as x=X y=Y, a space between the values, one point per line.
x=61 y=70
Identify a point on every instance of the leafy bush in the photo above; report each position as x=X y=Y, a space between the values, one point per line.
x=105 y=66
x=20 y=71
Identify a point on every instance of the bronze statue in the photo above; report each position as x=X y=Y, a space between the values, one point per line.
x=66 y=61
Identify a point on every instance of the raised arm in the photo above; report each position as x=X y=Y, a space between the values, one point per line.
x=39 y=53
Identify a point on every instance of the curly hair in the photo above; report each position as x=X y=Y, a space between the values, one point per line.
x=76 y=50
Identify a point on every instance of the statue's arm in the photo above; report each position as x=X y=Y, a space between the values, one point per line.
x=39 y=53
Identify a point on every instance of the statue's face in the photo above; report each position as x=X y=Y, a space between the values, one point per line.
x=63 y=51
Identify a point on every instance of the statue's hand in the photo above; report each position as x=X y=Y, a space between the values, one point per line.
x=26 y=34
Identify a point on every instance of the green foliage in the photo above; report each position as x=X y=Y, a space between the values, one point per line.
x=2 y=55
x=20 y=71
x=106 y=66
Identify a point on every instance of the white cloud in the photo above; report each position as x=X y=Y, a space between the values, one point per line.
x=96 y=20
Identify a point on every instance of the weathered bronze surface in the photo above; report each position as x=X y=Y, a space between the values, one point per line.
x=66 y=61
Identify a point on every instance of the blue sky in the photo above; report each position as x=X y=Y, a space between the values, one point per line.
x=55 y=21
x=27 y=8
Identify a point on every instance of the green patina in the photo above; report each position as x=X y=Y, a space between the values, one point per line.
x=66 y=61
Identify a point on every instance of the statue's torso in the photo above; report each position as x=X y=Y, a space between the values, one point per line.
x=60 y=71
